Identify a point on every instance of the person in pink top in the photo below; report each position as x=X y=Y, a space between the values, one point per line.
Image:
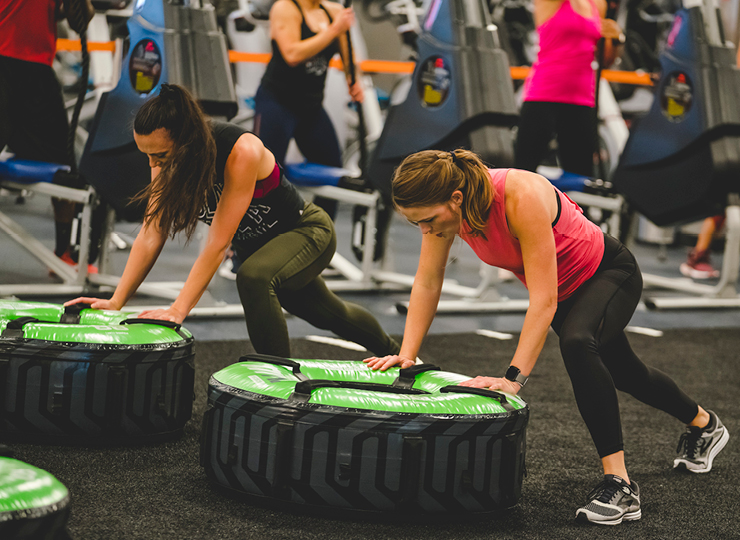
x=559 y=93
x=582 y=282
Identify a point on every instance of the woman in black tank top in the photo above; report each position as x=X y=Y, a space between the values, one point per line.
x=305 y=35
x=223 y=175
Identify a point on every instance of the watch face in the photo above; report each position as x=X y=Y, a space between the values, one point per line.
x=515 y=375
x=512 y=373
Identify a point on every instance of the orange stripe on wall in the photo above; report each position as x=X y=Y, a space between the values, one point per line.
x=369 y=66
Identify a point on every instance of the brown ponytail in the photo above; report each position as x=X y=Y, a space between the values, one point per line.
x=177 y=195
x=429 y=178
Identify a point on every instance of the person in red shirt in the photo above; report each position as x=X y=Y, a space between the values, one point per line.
x=582 y=282
x=33 y=119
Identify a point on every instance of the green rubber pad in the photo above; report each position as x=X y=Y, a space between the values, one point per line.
x=95 y=326
x=279 y=382
x=27 y=491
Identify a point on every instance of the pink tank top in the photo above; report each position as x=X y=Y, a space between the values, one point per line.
x=579 y=243
x=563 y=71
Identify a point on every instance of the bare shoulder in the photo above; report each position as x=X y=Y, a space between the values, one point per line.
x=544 y=9
x=333 y=7
x=248 y=149
x=529 y=196
x=601 y=7
x=284 y=9
x=521 y=185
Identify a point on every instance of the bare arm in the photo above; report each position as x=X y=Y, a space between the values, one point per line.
x=355 y=90
x=285 y=29
x=530 y=209
x=144 y=253
x=425 y=295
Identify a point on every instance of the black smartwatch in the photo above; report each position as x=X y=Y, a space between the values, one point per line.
x=514 y=375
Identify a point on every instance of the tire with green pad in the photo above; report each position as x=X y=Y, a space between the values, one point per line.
x=87 y=375
x=324 y=433
x=34 y=505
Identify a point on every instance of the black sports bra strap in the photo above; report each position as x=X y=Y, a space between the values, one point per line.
x=299 y=9
x=327 y=13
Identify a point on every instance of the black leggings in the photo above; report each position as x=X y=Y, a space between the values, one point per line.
x=574 y=126
x=598 y=356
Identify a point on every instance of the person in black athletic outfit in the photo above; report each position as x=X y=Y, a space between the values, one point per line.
x=305 y=34
x=223 y=175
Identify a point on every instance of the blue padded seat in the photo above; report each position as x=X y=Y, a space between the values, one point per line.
x=21 y=170
x=312 y=174
x=570 y=182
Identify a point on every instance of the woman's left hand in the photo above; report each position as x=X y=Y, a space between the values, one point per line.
x=169 y=314
x=492 y=383
x=356 y=92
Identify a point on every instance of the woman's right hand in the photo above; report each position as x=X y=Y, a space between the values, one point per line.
x=344 y=20
x=610 y=29
x=95 y=303
x=384 y=362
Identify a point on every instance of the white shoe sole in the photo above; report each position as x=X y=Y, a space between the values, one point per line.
x=697 y=469
x=692 y=273
x=583 y=517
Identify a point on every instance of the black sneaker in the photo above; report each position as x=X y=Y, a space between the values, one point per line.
x=698 y=447
x=611 y=502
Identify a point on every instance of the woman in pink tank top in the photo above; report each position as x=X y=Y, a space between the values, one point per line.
x=559 y=92
x=582 y=283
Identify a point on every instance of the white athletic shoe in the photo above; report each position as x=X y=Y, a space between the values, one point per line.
x=611 y=502
x=698 y=447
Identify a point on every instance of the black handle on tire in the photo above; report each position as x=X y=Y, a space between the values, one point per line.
x=276 y=360
x=14 y=329
x=169 y=324
x=454 y=389
x=303 y=389
x=407 y=376
x=71 y=313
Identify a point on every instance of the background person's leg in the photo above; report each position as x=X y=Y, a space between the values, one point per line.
x=534 y=133
x=37 y=129
x=317 y=140
x=274 y=123
x=576 y=138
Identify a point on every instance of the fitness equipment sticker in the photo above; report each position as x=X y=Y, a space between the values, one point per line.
x=433 y=83
x=677 y=96
x=145 y=66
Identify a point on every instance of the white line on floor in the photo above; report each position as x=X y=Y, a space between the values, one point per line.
x=644 y=331
x=338 y=342
x=493 y=334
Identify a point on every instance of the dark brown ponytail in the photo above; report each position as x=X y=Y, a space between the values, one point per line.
x=177 y=195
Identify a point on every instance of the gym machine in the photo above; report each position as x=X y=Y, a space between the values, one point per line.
x=170 y=41
x=460 y=95
x=682 y=160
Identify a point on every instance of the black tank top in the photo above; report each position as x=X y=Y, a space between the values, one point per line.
x=275 y=207
x=303 y=85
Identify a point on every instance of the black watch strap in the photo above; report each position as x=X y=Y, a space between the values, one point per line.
x=514 y=375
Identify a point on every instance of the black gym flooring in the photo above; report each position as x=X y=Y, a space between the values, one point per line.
x=159 y=491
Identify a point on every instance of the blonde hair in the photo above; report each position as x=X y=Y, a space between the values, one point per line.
x=429 y=178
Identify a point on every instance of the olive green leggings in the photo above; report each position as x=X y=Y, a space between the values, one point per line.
x=285 y=273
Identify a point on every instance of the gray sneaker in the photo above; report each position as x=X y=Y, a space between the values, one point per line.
x=698 y=447
x=611 y=502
